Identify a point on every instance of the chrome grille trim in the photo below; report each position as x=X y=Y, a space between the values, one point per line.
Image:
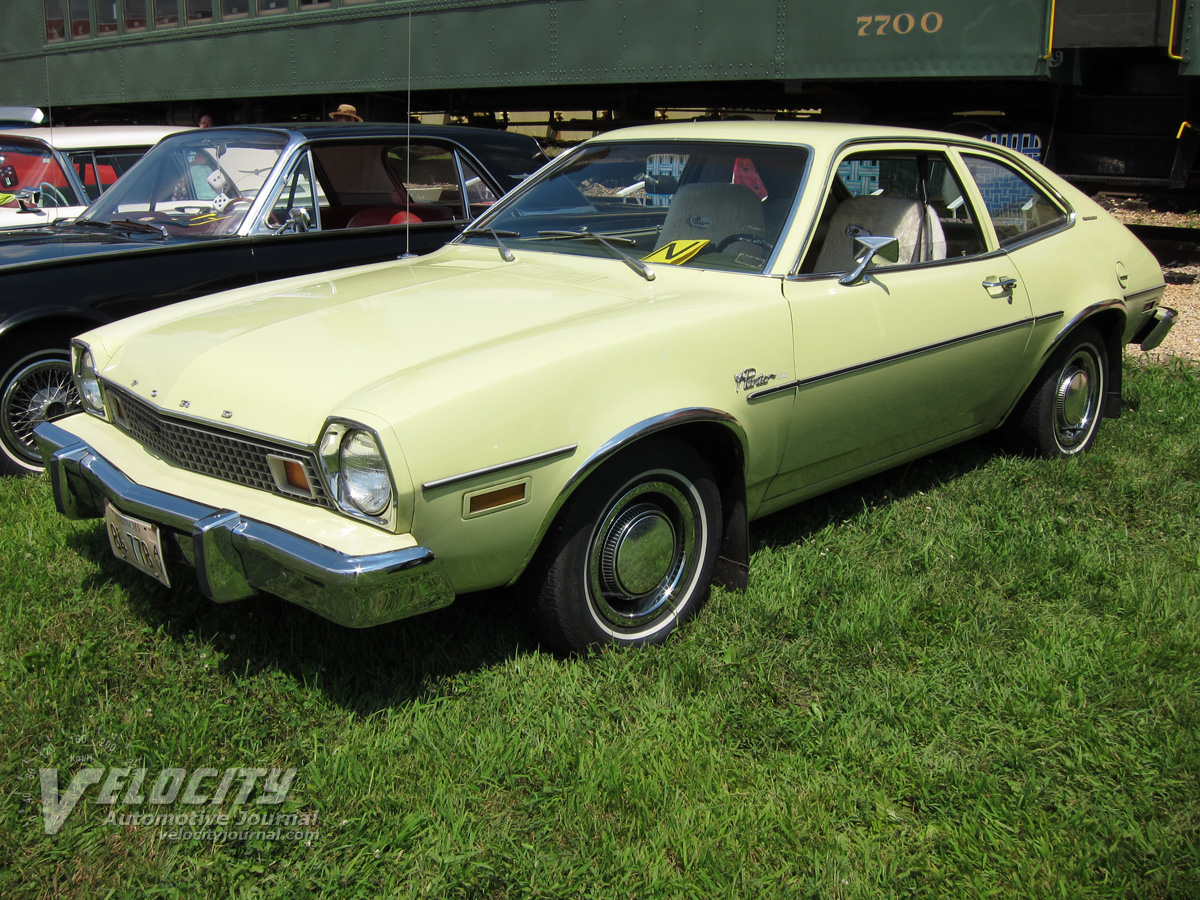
x=214 y=452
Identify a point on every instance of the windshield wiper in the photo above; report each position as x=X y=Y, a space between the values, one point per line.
x=122 y=225
x=636 y=264
x=505 y=253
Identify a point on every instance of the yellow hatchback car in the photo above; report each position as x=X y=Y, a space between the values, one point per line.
x=666 y=333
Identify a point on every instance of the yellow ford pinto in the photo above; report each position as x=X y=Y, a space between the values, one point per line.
x=666 y=333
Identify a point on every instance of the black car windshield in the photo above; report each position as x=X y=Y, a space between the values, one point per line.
x=198 y=182
x=705 y=204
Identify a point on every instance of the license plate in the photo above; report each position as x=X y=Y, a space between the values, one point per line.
x=136 y=542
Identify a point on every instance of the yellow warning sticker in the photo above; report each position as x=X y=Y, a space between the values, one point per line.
x=676 y=253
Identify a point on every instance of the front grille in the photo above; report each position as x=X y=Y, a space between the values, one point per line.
x=212 y=451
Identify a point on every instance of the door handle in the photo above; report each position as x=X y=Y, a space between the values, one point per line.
x=1004 y=284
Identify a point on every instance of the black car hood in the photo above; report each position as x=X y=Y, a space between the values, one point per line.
x=38 y=244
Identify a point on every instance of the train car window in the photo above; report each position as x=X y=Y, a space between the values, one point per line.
x=166 y=13
x=106 y=18
x=912 y=195
x=199 y=12
x=234 y=9
x=1018 y=208
x=135 y=15
x=81 y=18
x=55 y=28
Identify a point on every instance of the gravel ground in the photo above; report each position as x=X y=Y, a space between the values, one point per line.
x=1183 y=293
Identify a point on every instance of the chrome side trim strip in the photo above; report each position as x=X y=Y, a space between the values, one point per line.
x=896 y=357
x=1076 y=320
x=1157 y=289
x=500 y=467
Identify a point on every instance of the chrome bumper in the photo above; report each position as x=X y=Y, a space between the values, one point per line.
x=235 y=557
x=1156 y=328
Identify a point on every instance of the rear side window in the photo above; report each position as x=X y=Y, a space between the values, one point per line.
x=1018 y=208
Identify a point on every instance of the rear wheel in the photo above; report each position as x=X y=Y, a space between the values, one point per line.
x=36 y=389
x=631 y=555
x=1061 y=414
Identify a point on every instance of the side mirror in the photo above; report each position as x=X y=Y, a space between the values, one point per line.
x=869 y=246
x=297 y=222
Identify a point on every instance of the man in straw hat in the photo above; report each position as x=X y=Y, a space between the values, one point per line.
x=345 y=113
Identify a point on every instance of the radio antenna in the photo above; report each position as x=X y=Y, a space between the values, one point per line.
x=408 y=142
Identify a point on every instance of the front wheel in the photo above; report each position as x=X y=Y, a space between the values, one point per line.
x=38 y=388
x=1061 y=414
x=631 y=555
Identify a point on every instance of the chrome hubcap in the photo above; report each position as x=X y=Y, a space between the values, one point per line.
x=1077 y=399
x=643 y=553
x=637 y=553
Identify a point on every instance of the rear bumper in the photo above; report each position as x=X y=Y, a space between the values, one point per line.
x=235 y=557
x=1155 y=329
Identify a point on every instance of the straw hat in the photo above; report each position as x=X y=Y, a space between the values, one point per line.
x=346 y=111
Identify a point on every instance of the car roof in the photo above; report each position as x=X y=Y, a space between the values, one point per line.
x=95 y=137
x=467 y=135
x=820 y=135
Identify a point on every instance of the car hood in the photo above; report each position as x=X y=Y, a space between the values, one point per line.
x=34 y=243
x=279 y=359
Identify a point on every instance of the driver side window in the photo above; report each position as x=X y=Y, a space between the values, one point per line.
x=912 y=196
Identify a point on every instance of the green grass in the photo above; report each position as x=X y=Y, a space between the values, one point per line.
x=975 y=676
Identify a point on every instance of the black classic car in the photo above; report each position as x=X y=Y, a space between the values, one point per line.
x=218 y=208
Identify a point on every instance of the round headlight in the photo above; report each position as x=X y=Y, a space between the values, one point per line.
x=89 y=383
x=364 y=475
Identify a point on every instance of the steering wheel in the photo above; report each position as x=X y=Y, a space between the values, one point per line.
x=742 y=236
x=44 y=189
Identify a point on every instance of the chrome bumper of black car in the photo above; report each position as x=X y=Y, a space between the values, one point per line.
x=235 y=557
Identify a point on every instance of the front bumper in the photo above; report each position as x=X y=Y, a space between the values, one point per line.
x=236 y=557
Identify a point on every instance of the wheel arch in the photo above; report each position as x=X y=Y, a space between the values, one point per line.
x=721 y=442
x=1108 y=318
x=45 y=331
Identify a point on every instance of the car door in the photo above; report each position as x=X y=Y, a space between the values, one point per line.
x=914 y=354
x=346 y=190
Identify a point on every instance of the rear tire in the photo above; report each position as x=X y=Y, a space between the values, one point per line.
x=632 y=553
x=1060 y=416
x=37 y=388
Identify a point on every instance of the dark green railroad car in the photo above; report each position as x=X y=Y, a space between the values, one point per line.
x=1103 y=90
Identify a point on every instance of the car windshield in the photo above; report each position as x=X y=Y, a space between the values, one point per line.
x=719 y=205
x=199 y=182
x=33 y=173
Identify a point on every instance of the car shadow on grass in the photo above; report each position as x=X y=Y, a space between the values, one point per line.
x=362 y=670
x=798 y=523
x=366 y=670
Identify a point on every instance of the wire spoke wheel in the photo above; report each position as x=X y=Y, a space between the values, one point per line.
x=38 y=389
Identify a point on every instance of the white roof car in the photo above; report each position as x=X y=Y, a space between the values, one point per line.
x=54 y=173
